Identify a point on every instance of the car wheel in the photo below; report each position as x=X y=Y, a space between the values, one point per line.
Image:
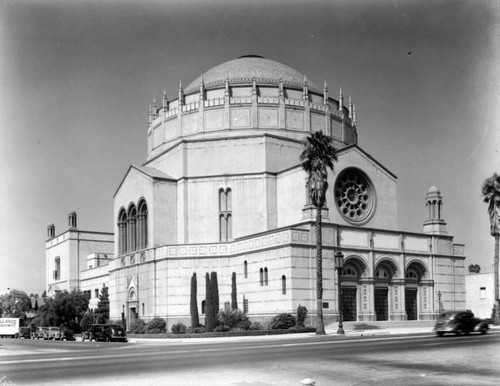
x=440 y=333
x=484 y=330
x=107 y=339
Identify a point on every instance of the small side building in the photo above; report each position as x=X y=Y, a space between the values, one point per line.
x=479 y=289
x=77 y=259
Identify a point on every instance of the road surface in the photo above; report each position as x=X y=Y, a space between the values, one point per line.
x=381 y=360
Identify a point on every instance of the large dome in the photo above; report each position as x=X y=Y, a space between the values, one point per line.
x=248 y=67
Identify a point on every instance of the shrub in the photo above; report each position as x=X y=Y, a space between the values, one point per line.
x=199 y=330
x=244 y=325
x=179 y=328
x=301 y=315
x=138 y=326
x=231 y=318
x=282 y=322
x=156 y=326
x=222 y=328
x=255 y=326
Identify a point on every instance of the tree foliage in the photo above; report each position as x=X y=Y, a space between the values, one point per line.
x=195 y=319
x=234 y=297
x=87 y=320
x=209 y=309
x=474 y=268
x=15 y=304
x=102 y=310
x=65 y=308
x=317 y=157
x=491 y=195
x=215 y=292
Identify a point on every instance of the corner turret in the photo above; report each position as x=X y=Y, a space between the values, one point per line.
x=434 y=223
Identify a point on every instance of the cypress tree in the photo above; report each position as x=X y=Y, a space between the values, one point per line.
x=215 y=293
x=209 y=309
x=234 y=298
x=195 y=320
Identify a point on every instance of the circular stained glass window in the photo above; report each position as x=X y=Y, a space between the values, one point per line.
x=354 y=196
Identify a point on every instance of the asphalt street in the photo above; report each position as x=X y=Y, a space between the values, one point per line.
x=419 y=359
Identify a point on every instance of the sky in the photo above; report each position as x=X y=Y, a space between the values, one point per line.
x=77 y=79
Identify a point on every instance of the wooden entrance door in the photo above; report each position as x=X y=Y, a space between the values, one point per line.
x=411 y=303
x=381 y=303
x=348 y=303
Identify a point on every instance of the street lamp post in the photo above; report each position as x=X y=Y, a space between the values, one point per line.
x=339 y=263
x=439 y=302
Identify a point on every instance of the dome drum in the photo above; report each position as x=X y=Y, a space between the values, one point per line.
x=268 y=98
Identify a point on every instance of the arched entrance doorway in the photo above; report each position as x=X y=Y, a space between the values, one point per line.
x=413 y=275
x=384 y=272
x=351 y=273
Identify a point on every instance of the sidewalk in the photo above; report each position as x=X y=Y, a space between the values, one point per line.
x=350 y=329
x=382 y=328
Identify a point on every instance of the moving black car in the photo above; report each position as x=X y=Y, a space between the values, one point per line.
x=460 y=322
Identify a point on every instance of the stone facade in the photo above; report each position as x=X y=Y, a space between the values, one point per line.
x=222 y=190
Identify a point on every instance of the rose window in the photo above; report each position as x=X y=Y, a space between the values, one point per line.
x=354 y=196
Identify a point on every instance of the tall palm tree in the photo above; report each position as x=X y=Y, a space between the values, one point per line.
x=317 y=157
x=491 y=195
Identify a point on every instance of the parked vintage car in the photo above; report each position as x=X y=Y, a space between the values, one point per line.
x=38 y=333
x=460 y=322
x=105 y=333
x=64 y=334
x=50 y=333
x=24 y=332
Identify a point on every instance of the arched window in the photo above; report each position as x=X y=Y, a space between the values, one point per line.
x=266 y=279
x=225 y=215
x=245 y=269
x=261 y=277
x=131 y=228
x=283 y=285
x=57 y=268
x=223 y=227
x=122 y=232
x=142 y=225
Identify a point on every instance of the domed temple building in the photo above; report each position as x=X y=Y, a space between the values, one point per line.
x=222 y=190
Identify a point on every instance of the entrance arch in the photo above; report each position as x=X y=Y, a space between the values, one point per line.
x=414 y=273
x=384 y=272
x=351 y=273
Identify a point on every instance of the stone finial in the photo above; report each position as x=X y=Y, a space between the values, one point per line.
x=354 y=114
x=181 y=94
x=280 y=86
x=305 y=88
x=341 y=102
x=325 y=93
x=226 y=92
x=155 y=108
x=350 y=107
x=165 y=100
x=150 y=116
x=202 y=88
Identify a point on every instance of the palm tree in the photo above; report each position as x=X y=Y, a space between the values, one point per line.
x=491 y=195
x=317 y=157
